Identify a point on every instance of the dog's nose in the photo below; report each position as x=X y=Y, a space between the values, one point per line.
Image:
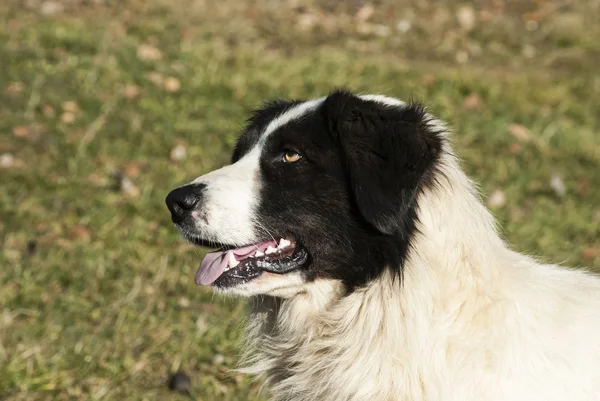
x=183 y=200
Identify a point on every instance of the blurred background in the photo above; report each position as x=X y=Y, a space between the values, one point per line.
x=107 y=105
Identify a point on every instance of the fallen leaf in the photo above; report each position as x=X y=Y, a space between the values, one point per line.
x=365 y=12
x=462 y=57
x=519 y=132
x=172 y=84
x=514 y=148
x=131 y=91
x=485 y=15
x=497 y=199
x=156 y=78
x=81 y=233
x=48 y=110
x=528 y=51
x=70 y=107
x=132 y=169
x=427 y=79
x=67 y=118
x=583 y=186
x=473 y=102
x=20 y=131
x=466 y=18
x=14 y=88
x=307 y=21
x=148 y=52
x=590 y=253
x=51 y=7
x=97 y=179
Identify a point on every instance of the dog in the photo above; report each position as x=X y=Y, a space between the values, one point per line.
x=373 y=269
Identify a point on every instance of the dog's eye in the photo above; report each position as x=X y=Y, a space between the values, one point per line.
x=289 y=156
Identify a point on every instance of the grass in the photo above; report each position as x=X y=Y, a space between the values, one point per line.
x=97 y=299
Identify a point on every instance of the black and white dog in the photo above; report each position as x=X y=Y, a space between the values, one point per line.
x=374 y=270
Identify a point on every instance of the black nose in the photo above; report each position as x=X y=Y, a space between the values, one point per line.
x=183 y=200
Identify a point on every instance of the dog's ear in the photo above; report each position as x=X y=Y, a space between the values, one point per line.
x=389 y=151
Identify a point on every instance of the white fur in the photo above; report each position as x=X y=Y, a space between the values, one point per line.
x=292 y=114
x=470 y=320
x=231 y=198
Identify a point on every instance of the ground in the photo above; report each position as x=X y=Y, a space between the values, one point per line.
x=107 y=105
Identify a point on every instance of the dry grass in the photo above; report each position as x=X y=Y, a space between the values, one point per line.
x=97 y=299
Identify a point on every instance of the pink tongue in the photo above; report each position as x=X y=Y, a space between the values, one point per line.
x=214 y=263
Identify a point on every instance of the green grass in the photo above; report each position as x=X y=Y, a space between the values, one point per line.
x=97 y=299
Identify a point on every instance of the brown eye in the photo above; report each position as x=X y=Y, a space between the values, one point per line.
x=289 y=156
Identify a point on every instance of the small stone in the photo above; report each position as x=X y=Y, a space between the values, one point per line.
x=558 y=185
x=180 y=383
x=183 y=302
x=403 y=25
x=128 y=188
x=178 y=152
x=7 y=160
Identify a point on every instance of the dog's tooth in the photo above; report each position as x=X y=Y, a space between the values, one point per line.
x=283 y=243
x=270 y=250
x=258 y=254
x=232 y=261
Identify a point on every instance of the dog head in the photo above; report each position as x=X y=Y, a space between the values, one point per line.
x=319 y=189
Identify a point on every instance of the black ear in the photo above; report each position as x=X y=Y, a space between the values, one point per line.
x=390 y=152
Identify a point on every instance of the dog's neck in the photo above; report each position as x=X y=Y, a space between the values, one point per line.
x=316 y=344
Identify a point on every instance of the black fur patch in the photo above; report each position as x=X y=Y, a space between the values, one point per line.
x=351 y=200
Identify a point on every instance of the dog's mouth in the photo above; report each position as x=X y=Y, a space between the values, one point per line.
x=230 y=266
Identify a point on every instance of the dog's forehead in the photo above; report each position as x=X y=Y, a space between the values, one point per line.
x=269 y=119
x=276 y=115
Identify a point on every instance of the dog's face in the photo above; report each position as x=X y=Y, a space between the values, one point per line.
x=324 y=189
